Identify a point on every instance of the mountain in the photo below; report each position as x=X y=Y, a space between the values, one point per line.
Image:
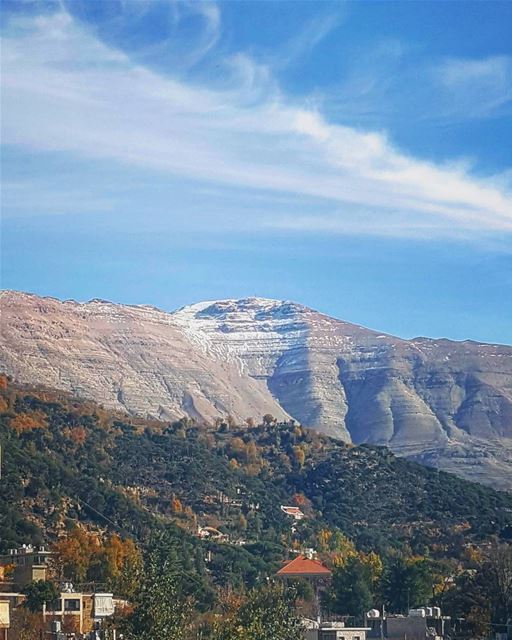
x=443 y=403
x=67 y=460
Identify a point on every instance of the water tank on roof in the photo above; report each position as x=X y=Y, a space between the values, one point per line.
x=373 y=613
x=429 y=611
x=417 y=613
x=436 y=612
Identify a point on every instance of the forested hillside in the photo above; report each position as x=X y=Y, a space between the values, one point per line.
x=71 y=469
x=67 y=458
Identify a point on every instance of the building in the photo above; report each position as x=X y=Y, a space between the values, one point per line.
x=75 y=611
x=211 y=533
x=295 y=512
x=80 y=611
x=312 y=570
x=302 y=567
x=27 y=563
x=333 y=631
x=4 y=618
x=425 y=623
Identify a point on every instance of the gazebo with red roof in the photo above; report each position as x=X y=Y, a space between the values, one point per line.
x=312 y=570
x=302 y=567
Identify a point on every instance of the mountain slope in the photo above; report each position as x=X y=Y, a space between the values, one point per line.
x=444 y=403
x=64 y=458
x=130 y=358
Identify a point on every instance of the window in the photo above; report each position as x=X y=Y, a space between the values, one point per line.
x=72 y=604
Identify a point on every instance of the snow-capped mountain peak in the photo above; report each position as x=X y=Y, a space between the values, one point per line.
x=251 y=356
x=254 y=332
x=243 y=308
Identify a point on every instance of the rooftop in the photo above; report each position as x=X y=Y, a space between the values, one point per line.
x=301 y=566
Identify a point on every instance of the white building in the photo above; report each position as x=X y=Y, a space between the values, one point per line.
x=333 y=631
x=295 y=512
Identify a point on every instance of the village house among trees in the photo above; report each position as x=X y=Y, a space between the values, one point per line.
x=28 y=580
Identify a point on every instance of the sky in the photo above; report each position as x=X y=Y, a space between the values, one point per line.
x=352 y=156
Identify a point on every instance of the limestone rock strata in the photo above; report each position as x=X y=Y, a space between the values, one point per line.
x=442 y=402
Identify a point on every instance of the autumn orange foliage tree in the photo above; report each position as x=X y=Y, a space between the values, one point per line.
x=27 y=422
x=299 y=455
x=77 y=435
x=82 y=555
x=74 y=553
x=120 y=557
x=176 y=506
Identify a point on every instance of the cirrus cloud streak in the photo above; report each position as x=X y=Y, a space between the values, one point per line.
x=66 y=91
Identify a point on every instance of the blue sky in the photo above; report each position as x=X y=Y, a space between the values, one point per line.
x=353 y=156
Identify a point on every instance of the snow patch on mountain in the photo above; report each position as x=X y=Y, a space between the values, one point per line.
x=254 y=332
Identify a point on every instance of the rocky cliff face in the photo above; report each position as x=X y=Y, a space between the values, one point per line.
x=444 y=403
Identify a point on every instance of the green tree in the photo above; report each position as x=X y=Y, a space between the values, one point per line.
x=350 y=592
x=162 y=611
x=407 y=582
x=267 y=612
x=39 y=593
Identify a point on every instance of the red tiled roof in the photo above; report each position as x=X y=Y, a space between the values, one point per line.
x=301 y=566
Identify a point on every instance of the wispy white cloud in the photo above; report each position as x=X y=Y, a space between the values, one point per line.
x=310 y=36
x=476 y=87
x=461 y=71
x=392 y=81
x=65 y=91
